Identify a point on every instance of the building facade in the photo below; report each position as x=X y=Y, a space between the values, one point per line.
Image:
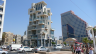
x=18 y=39
x=73 y=26
x=24 y=37
x=2 y=13
x=8 y=38
x=39 y=29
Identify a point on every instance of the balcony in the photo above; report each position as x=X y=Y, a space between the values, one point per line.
x=46 y=28
x=51 y=21
x=37 y=19
x=52 y=29
x=30 y=20
x=34 y=19
x=34 y=28
x=41 y=23
x=33 y=37
x=0 y=19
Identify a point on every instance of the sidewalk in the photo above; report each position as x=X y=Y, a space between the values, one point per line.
x=62 y=52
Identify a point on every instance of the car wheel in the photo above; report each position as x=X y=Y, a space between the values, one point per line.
x=23 y=51
x=32 y=50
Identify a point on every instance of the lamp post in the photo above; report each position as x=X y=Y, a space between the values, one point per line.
x=91 y=28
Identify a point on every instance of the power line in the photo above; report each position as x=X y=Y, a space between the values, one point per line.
x=82 y=11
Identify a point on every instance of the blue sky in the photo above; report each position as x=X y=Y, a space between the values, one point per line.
x=17 y=19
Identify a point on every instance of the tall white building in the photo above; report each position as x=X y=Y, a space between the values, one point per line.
x=2 y=13
x=39 y=29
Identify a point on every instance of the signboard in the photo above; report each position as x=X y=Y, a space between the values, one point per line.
x=60 y=37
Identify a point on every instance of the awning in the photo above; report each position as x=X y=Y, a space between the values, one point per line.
x=78 y=43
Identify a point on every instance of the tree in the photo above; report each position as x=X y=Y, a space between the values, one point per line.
x=91 y=42
x=94 y=31
x=64 y=43
x=3 y=37
x=85 y=40
x=53 y=43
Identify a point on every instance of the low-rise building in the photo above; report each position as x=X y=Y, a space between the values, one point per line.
x=18 y=39
x=24 y=37
x=8 y=38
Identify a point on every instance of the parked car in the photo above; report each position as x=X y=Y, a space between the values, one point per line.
x=14 y=46
x=4 y=47
x=2 y=51
x=40 y=48
x=24 y=49
x=58 y=47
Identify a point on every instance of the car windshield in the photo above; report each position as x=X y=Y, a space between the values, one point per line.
x=58 y=45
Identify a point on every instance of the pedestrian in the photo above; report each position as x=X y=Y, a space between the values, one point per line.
x=76 y=49
x=87 y=49
x=90 y=50
x=72 y=47
x=84 y=50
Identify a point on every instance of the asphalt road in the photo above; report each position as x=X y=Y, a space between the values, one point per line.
x=15 y=52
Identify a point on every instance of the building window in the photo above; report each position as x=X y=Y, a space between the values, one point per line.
x=42 y=26
x=31 y=11
x=0 y=16
x=1 y=9
x=39 y=12
x=48 y=23
x=41 y=6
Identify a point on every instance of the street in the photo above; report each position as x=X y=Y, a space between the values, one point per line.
x=15 y=52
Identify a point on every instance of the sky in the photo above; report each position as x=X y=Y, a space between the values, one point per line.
x=16 y=18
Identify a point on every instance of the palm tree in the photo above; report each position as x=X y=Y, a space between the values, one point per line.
x=91 y=42
x=3 y=37
x=94 y=31
x=85 y=40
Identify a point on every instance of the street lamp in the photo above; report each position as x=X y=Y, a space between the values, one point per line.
x=91 y=28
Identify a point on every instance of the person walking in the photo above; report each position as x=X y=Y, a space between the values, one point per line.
x=72 y=47
x=90 y=50
x=87 y=49
x=84 y=50
x=76 y=49
x=79 y=49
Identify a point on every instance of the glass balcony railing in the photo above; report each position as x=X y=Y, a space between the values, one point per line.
x=33 y=37
x=34 y=28
x=41 y=22
x=52 y=29
x=30 y=20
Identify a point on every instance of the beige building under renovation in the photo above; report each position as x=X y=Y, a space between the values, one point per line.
x=8 y=38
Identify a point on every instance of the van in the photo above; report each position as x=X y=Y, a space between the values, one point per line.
x=14 y=46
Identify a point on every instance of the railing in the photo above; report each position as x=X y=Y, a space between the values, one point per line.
x=30 y=20
x=41 y=22
x=52 y=28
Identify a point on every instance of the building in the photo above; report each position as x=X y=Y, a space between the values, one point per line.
x=73 y=26
x=60 y=38
x=17 y=39
x=8 y=38
x=39 y=29
x=59 y=42
x=24 y=37
x=2 y=13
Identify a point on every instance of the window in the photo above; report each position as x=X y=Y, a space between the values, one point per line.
x=31 y=11
x=1 y=16
x=39 y=12
x=41 y=6
x=42 y=26
x=48 y=23
x=1 y=9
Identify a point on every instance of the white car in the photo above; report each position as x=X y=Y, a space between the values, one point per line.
x=24 y=49
x=1 y=51
x=40 y=48
x=4 y=46
x=58 y=47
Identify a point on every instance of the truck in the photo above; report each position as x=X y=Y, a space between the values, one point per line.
x=14 y=46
